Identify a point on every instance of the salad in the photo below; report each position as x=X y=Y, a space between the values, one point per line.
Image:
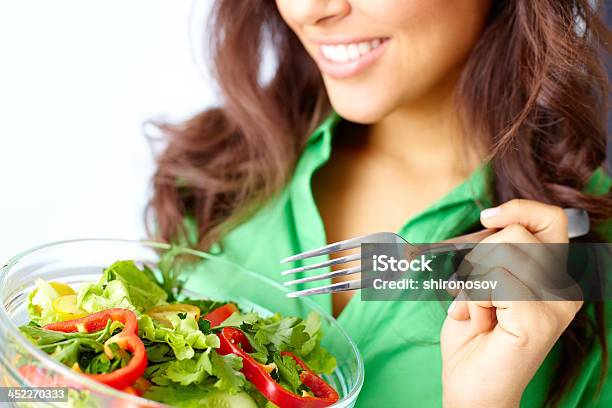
x=135 y=331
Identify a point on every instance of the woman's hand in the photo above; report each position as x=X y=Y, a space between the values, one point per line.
x=492 y=348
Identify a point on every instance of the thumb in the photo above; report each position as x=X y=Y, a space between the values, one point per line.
x=547 y=222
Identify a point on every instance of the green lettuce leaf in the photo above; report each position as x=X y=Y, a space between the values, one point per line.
x=144 y=292
x=192 y=371
x=122 y=285
x=183 y=337
x=96 y=297
x=40 y=303
x=206 y=369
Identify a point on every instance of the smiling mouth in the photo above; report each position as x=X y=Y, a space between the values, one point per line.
x=343 y=59
x=351 y=51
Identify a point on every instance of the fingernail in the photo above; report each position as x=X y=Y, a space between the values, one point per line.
x=452 y=307
x=490 y=212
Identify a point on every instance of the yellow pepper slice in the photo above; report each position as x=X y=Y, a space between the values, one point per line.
x=163 y=312
x=66 y=307
x=62 y=289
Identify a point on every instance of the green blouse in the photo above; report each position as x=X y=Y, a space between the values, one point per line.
x=400 y=341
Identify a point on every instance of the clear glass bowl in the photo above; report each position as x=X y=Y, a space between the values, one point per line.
x=78 y=261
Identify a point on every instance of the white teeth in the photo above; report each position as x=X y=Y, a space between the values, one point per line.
x=341 y=53
x=327 y=50
x=353 y=51
x=364 y=47
x=346 y=52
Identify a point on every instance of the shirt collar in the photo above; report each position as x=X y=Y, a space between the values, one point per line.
x=324 y=131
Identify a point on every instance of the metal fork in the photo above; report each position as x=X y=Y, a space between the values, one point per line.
x=578 y=225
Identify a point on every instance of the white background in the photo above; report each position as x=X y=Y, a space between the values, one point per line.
x=77 y=81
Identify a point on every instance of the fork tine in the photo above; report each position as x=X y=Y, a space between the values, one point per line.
x=335 y=261
x=341 y=272
x=336 y=246
x=335 y=287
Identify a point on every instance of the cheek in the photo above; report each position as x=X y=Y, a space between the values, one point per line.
x=283 y=7
x=436 y=38
x=431 y=39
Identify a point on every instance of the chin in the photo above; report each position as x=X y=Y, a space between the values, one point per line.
x=357 y=109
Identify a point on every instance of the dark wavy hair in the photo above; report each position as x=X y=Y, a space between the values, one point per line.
x=535 y=91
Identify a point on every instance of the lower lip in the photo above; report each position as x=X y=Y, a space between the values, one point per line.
x=349 y=68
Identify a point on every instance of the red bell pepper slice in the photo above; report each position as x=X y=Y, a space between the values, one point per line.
x=310 y=379
x=98 y=321
x=233 y=341
x=220 y=314
x=127 y=339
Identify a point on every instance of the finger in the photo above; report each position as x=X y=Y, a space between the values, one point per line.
x=490 y=252
x=542 y=267
x=547 y=222
x=458 y=309
x=481 y=316
x=513 y=248
x=521 y=319
x=514 y=233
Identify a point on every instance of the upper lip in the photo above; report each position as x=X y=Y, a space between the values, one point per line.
x=336 y=40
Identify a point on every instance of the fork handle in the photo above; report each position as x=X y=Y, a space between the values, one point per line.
x=462 y=242
x=473 y=238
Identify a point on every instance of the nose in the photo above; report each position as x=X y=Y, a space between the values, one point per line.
x=312 y=12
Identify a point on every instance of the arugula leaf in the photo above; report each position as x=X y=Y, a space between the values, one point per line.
x=172 y=264
x=44 y=338
x=97 y=364
x=67 y=353
x=84 y=349
x=159 y=353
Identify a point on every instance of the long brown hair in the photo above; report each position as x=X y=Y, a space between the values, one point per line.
x=534 y=90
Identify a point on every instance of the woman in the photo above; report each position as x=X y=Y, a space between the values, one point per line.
x=409 y=116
